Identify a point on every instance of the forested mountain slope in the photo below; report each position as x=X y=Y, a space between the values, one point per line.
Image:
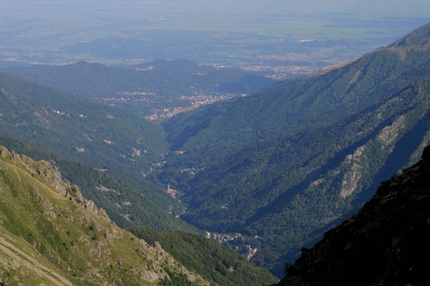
x=125 y=204
x=384 y=243
x=214 y=262
x=105 y=139
x=282 y=165
x=59 y=121
x=50 y=234
x=295 y=104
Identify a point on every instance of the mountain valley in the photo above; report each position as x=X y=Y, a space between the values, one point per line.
x=267 y=173
x=306 y=152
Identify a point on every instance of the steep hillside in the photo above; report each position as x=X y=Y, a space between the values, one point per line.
x=49 y=234
x=295 y=104
x=282 y=165
x=385 y=243
x=291 y=187
x=91 y=132
x=106 y=139
x=125 y=204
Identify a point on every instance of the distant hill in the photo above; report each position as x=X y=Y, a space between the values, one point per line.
x=283 y=164
x=50 y=234
x=155 y=90
x=384 y=243
x=59 y=120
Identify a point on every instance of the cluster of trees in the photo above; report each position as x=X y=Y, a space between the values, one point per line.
x=211 y=260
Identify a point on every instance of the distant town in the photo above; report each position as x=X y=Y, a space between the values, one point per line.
x=191 y=102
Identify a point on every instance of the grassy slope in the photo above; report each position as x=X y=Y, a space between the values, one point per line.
x=58 y=236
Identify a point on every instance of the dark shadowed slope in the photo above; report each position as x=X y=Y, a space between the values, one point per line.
x=385 y=243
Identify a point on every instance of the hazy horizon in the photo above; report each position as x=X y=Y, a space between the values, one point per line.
x=60 y=31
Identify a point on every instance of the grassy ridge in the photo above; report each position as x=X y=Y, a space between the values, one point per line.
x=71 y=239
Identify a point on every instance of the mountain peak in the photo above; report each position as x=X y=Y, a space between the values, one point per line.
x=419 y=38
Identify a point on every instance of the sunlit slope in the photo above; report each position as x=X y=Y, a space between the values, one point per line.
x=50 y=234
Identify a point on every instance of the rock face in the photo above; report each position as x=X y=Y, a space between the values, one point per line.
x=385 y=243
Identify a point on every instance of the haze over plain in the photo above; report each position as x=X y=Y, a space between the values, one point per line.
x=207 y=31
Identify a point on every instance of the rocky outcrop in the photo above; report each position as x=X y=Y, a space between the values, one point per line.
x=385 y=243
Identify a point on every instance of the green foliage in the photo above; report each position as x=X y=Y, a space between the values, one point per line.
x=52 y=235
x=212 y=261
x=98 y=136
x=177 y=279
x=278 y=166
x=286 y=188
x=285 y=163
x=125 y=205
